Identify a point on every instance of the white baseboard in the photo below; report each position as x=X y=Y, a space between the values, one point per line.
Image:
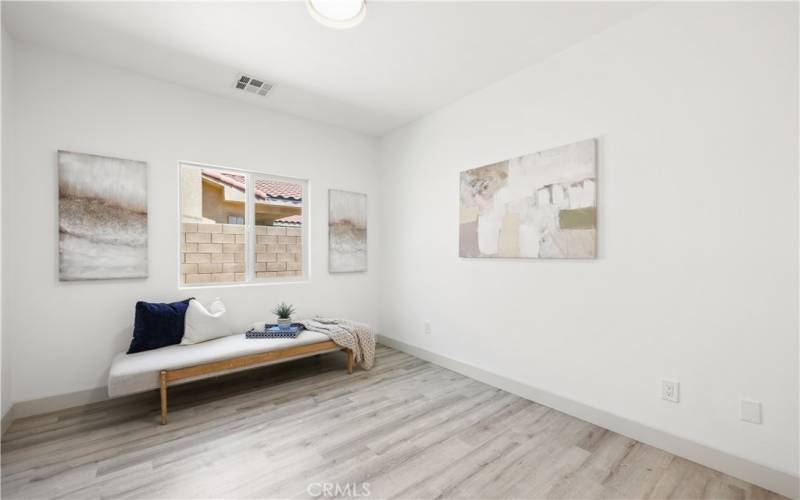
x=40 y=406
x=778 y=481
x=7 y=419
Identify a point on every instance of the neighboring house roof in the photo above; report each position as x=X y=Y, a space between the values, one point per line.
x=265 y=189
x=292 y=220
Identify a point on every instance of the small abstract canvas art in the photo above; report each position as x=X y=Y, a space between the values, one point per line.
x=347 y=231
x=102 y=209
x=541 y=205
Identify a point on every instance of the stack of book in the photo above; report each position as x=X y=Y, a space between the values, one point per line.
x=275 y=332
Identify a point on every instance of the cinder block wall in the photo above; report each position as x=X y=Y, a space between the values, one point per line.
x=214 y=253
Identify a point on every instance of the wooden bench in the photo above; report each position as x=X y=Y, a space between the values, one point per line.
x=225 y=365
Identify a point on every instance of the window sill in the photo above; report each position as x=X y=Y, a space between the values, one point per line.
x=200 y=286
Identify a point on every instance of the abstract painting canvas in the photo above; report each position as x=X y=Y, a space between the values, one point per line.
x=541 y=205
x=347 y=231
x=102 y=209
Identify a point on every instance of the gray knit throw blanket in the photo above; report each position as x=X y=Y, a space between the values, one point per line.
x=357 y=337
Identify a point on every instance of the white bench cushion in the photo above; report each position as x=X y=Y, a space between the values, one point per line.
x=131 y=373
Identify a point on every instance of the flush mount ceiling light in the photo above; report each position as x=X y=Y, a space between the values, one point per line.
x=340 y=14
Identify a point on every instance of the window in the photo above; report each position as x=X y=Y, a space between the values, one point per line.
x=239 y=226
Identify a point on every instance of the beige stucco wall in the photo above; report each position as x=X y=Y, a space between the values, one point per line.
x=191 y=195
x=206 y=201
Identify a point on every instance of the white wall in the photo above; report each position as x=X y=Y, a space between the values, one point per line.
x=695 y=107
x=5 y=354
x=63 y=335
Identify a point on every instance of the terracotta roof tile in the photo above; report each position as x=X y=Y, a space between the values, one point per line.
x=264 y=188
x=294 y=220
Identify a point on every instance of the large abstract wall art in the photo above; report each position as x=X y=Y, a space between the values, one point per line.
x=541 y=205
x=347 y=231
x=102 y=208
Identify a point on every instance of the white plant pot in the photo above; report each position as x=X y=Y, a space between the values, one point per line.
x=284 y=322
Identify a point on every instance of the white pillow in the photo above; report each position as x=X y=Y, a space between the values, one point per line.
x=203 y=324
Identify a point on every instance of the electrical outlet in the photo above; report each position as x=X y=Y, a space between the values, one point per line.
x=750 y=411
x=427 y=326
x=670 y=390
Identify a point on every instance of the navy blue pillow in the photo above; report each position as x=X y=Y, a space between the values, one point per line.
x=157 y=325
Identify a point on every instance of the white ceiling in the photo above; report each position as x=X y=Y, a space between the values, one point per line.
x=405 y=60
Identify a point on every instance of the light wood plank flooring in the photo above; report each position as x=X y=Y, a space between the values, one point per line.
x=408 y=428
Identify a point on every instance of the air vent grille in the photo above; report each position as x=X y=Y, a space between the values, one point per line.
x=252 y=85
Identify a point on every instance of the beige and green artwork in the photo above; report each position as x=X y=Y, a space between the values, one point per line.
x=538 y=206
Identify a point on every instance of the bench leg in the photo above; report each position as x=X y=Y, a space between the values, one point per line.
x=163 y=379
x=350 y=359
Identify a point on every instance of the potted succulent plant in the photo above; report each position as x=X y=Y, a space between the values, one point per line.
x=284 y=313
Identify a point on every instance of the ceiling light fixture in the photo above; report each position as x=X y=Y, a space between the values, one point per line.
x=340 y=14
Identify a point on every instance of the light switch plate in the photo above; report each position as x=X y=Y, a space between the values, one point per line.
x=750 y=411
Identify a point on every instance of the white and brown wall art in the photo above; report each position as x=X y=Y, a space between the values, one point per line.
x=541 y=205
x=102 y=209
x=347 y=231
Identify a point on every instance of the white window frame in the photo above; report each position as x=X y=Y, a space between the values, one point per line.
x=249 y=229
